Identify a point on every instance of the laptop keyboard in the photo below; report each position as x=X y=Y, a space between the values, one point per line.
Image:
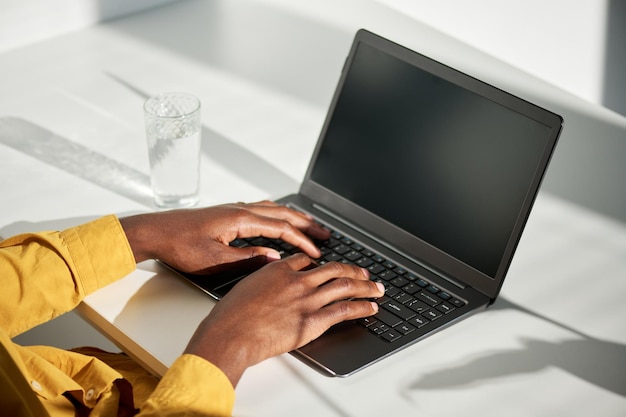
x=410 y=301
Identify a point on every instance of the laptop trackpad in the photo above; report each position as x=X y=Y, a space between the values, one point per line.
x=343 y=349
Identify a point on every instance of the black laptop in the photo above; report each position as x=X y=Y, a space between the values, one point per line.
x=425 y=176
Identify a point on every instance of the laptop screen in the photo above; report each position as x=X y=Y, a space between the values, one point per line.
x=449 y=166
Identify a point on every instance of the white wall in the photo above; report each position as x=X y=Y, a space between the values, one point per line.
x=27 y=21
x=564 y=42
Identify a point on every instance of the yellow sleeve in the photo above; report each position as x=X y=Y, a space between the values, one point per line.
x=44 y=275
x=192 y=385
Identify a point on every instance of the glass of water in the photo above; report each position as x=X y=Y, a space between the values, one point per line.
x=173 y=129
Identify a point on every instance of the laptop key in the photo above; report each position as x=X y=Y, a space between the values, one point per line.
x=288 y=247
x=399 y=270
x=432 y=289
x=445 y=308
x=391 y=335
x=364 y=262
x=336 y=235
x=357 y=247
x=428 y=298
x=387 y=275
x=410 y=288
x=432 y=314
x=259 y=241
x=399 y=282
x=422 y=283
x=379 y=328
x=398 y=309
x=331 y=243
x=391 y=291
x=417 y=306
x=418 y=321
x=367 y=321
x=411 y=276
x=239 y=243
x=378 y=259
x=386 y=317
x=444 y=295
x=332 y=257
x=456 y=302
x=341 y=249
x=389 y=265
x=403 y=297
x=376 y=269
x=405 y=328
x=352 y=255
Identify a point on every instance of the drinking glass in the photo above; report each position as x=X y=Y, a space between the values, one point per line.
x=173 y=130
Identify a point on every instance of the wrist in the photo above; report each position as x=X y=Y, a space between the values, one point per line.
x=141 y=236
x=225 y=350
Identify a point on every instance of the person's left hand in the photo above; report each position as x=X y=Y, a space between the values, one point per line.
x=197 y=240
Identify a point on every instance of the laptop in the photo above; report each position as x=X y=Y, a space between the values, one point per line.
x=425 y=176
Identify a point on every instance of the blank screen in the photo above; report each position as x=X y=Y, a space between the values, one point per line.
x=443 y=163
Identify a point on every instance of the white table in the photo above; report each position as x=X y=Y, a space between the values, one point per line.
x=72 y=148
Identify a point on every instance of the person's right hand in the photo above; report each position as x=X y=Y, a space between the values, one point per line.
x=279 y=308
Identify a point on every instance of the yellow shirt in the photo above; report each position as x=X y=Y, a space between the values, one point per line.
x=43 y=275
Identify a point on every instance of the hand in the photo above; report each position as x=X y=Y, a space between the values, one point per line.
x=197 y=240
x=279 y=308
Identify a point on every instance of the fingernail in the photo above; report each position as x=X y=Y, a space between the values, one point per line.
x=365 y=272
x=374 y=306
x=273 y=255
x=381 y=287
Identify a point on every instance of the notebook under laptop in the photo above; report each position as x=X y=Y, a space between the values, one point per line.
x=426 y=176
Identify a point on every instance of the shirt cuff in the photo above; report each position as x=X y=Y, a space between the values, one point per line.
x=191 y=386
x=99 y=252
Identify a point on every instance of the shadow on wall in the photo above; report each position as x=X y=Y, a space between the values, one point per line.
x=263 y=43
x=111 y=9
x=615 y=58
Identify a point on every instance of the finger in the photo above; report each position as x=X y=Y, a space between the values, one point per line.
x=299 y=220
x=348 y=288
x=332 y=270
x=271 y=227
x=298 y=262
x=345 y=310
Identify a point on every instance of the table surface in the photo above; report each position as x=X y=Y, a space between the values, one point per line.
x=73 y=148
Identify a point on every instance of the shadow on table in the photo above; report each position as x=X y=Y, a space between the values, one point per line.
x=82 y=162
x=599 y=362
x=76 y=159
